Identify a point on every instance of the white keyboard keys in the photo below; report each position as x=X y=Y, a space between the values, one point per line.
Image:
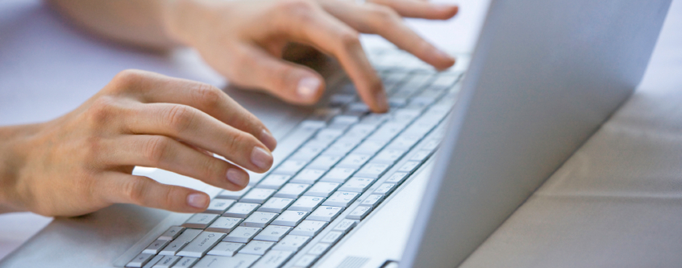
x=372 y=200
x=219 y=206
x=273 y=259
x=338 y=175
x=341 y=199
x=273 y=233
x=259 y=219
x=353 y=161
x=241 y=234
x=307 y=152
x=420 y=155
x=306 y=261
x=292 y=190
x=227 y=249
x=341 y=147
x=384 y=188
x=237 y=261
x=359 y=213
x=409 y=166
x=156 y=246
x=227 y=194
x=256 y=247
x=240 y=210
x=153 y=262
x=171 y=233
x=276 y=205
x=140 y=260
x=274 y=181
x=185 y=262
x=309 y=228
x=290 y=167
x=372 y=170
x=322 y=189
x=309 y=176
x=290 y=218
x=200 y=220
x=369 y=147
x=257 y=195
x=388 y=156
x=345 y=225
x=201 y=244
x=325 y=213
x=404 y=142
x=306 y=203
x=331 y=237
x=319 y=249
x=396 y=177
x=356 y=184
x=167 y=262
x=292 y=242
x=182 y=240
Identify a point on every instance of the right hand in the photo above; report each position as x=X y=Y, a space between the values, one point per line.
x=82 y=161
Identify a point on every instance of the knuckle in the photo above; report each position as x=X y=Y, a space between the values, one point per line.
x=209 y=96
x=133 y=191
x=155 y=149
x=179 y=118
x=385 y=14
x=296 y=6
x=128 y=78
x=102 y=109
x=349 y=39
x=214 y=169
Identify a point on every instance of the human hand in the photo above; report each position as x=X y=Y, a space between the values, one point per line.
x=82 y=161
x=244 y=40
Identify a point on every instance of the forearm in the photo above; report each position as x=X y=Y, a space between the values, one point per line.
x=13 y=141
x=135 y=22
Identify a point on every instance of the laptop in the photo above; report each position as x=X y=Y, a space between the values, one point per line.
x=421 y=186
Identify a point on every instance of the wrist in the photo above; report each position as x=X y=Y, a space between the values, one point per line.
x=15 y=143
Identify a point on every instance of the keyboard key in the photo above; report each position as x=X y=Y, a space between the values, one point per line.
x=372 y=200
x=156 y=246
x=405 y=115
x=200 y=220
x=273 y=233
x=259 y=219
x=227 y=194
x=409 y=166
x=404 y=142
x=325 y=213
x=321 y=116
x=445 y=80
x=307 y=152
x=360 y=131
x=306 y=260
x=338 y=175
x=388 y=156
x=396 y=177
x=431 y=144
x=185 y=262
x=274 y=181
x=292 y=242
x=345 y=119
x=227 y=249
x=290 y=167
x=237 y=261
x=292 y=190
x=341 y=99
x=384 y=188
x=257 y=195
x=140 y=260
x=387 y=131
x=240 y=210
x=328 y=134
x=323 y=163
x=319 y=249
x=201 y=244
x=256 y=247
x=372 y=170
x=345 y=225
x=331 y=237
x=375 y=119
x=276 y=204
x=219 y=206
x=358 y=107
x=357 y=184
x=167 y=261
x=354 y=161
x=420 y=155
x=341 y=147
x=322 y=189
x=180 y=242
x=242 y=234
x=306 y=203
x=273 y=259
x=309 y=228
x=172 y=233
x=153 y=262
x=290 y=218
x=359 y=213
x=308 y=176
x=341 y=199
x=369 y=147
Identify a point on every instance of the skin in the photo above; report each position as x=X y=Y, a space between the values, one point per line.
x=82 y=161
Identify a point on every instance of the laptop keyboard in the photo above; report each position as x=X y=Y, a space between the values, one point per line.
x=350 y=160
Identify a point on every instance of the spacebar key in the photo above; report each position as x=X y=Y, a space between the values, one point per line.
x=273 y=259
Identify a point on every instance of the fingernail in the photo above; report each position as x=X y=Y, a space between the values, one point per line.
x=261 y=158
x=446 y=7
x=197 y=200
x=441 y=54
x=237 y=177
x=267 y=139
x=307 y=87
x=382 y=101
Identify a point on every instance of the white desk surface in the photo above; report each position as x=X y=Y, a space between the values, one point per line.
x=616 y=202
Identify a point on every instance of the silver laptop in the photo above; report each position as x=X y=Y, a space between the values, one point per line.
x=410 y=188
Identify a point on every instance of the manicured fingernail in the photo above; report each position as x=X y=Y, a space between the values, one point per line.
x=237 y=177
x=307 y=87
x=261 y=158
x=382 y=101
x=197 y=200
x=267 y=139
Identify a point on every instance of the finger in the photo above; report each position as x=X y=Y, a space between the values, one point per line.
x=292 y=82
x=155 y=88
x=310 y=24
x=143 y=191
x=195 y=127
x=420 y=9
x=377 y=19
x=169 y=154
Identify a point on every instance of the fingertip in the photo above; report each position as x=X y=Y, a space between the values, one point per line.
x=445 y=11
x=268 y=139
x=238 y=177
x=309 y=89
